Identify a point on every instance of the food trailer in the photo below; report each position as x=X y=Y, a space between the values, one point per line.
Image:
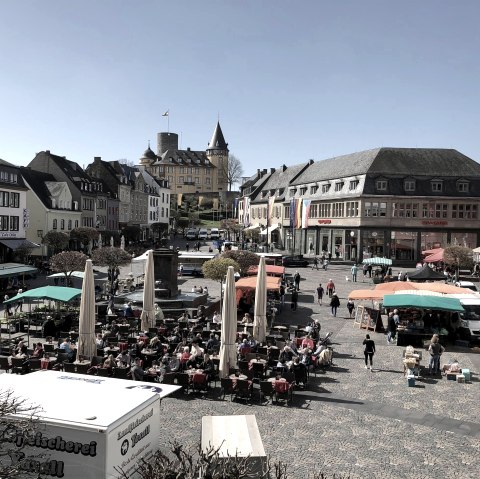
x=89 y=427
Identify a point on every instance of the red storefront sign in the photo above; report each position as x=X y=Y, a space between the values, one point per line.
x=434 y=222
x=324 y=222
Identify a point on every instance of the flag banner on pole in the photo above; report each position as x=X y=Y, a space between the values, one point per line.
x=271 y=201
x=305 y=213
x=246 y=211
x=298 y=213
x=235 y=208
x=166 y=113
x=292 y=213
x=179 y=199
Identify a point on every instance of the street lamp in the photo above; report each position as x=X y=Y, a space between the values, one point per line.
x=353 y=250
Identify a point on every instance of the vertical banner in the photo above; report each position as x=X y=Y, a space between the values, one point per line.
x=235 y=208
x=305 y=213
x=246 y=211
x=179 y=199
x=271 y=201
x=215 y=203
x=292 y=213
x=298 y=213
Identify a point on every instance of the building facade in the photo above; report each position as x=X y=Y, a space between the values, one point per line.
x=393 y=202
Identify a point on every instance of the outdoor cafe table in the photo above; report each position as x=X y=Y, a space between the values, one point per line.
x=280 y=328
x=82 y=362
x=47 y=363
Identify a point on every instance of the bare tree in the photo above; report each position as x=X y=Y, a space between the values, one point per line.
x=234 y=171
x=18 y=423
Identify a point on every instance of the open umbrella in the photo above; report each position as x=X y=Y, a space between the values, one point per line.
x=260 y=312
x=148 y=312
x=86 y=322
x=376 y=261
x=55 y=293
x=228 y=351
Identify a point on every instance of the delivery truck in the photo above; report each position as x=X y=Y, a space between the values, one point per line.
x=89 y=427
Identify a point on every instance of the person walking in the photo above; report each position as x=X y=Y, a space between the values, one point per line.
x=369 y=351
x=294 y=300
x=436 y=350
x=330 y=288
x=296 y=280
x=320 y=292
x=391 y=328
x=350 y=307
x=354 y=273
x=315 y=263
x=334 y=304
x=282 y=296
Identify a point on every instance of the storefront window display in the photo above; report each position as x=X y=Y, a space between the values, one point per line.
x=433 y=239
x=311 y=243
x=403 y=245
x=469 y=240
x=338 y=240
x=373 y=244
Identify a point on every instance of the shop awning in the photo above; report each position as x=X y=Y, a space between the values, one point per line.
x=378 y=261
x=434 y=257
x=269 y=229
x=14 y=244
x=8 y=270
x=270 y=269
x=251 y=227
x=55 y=293
x=439 y=303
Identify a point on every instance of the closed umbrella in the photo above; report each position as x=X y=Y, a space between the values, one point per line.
x=100 y=244
x=228 y=350
x=122 y=242
x=86 y=329
x=148 y=312
x=111 y=241
x=260 y=312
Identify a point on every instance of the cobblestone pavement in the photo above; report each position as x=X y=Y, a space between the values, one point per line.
x=352 y=421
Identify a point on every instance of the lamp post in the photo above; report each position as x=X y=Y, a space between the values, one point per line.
x=353 y=252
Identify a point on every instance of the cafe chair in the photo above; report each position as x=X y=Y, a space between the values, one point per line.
x=227 y=387
x=283 y=391
x=104 y=372
x=301 y=376
x=4 y=364
x=169 y=378
x=121 y=373
x=183 y=380
x=243 y=389
x=258 y=370
x=266 y=391
x=82 y=368
x=97 y=360
x=243 y=367
x=68 y=367
x=33 y=365
x=17 y=365
x=200 y=382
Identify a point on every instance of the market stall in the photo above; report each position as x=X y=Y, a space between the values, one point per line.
x=422 y=315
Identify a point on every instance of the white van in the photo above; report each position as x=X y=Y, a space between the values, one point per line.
x=191 y=234
x=214 y=234
x=470 y=319
x=202 y=234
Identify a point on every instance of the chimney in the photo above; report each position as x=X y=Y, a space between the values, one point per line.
x=97 y=158
x=284 y=167
x=188 y=148
x=47 y=152
x=311 y=161
x=272 y=170
x=258 y=172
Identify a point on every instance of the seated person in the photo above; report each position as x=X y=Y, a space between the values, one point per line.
x=123 y=359
x=136 y=372
x=128 y=311
x=208 y=366
x=196 y=355
x=252 y=342
x=181 y=347
x=205 y=290
x=156 y=345
x=173 y=363
x=244 y=347
x=452 y=367
x=307 y=343
x=99 y=341
x=38 y=351
x=185 y=355
x=217 y=319
x=184 y=317
x=247 y=319
x=68 y=349
x=213 y=344
x=164 y=368
x=286 y=355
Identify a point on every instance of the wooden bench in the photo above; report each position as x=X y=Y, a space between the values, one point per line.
x=235 y=436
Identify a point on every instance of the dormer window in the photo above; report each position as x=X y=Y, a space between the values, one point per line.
x=381 y=185
x=437 y=186
x=409 y=185
x=313 y=189
x=303 y=190
x=353 y=185
x=462 y=186
x=339 y=186
x=326 y=188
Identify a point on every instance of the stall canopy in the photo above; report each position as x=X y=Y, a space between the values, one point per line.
x=55 y=293
x=431 y=251
x=270 y=269
x=426 y=273
x=434 y=257
x=7 y=270
x=422 y=302
x=250 y=283
x=378 y=261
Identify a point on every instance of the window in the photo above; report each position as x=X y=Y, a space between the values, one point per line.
x=339 y=186
x=325 y=188
x=69 y=224
x=4 y=198
x=181 y=179
x=303 y=190
x=462 y=187
x=353 y=185
x=286 y=212
x=62 y=224
x=14 y=200
x=313 y=211
x=409 y=185
x=3 y=223
x=76 y=223
x=14 y=223
x=54 y=224
x=197 y=180
x=437 y=186
x=441 y=210
x=313 y=189
x=169 y=169
x=381 y=185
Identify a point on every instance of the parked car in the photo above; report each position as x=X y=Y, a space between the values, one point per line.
x=191 y=234
x=295 y=260
x=190 y=270
x=214 y=234
x=202 y=234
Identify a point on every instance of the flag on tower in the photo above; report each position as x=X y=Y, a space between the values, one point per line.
x=166 y=113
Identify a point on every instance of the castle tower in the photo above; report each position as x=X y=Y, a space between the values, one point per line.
x=217 y=153
x=148 y=157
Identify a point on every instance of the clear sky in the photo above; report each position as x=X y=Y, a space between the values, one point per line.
x=289 y=80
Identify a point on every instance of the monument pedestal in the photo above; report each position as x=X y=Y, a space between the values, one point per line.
x=166 y=270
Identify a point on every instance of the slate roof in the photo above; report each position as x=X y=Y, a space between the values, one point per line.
x=185 y=158
x=37 y=181
x=71 y=169
x=218 y=141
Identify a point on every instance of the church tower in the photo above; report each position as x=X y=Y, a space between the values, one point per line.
x=217 y=153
